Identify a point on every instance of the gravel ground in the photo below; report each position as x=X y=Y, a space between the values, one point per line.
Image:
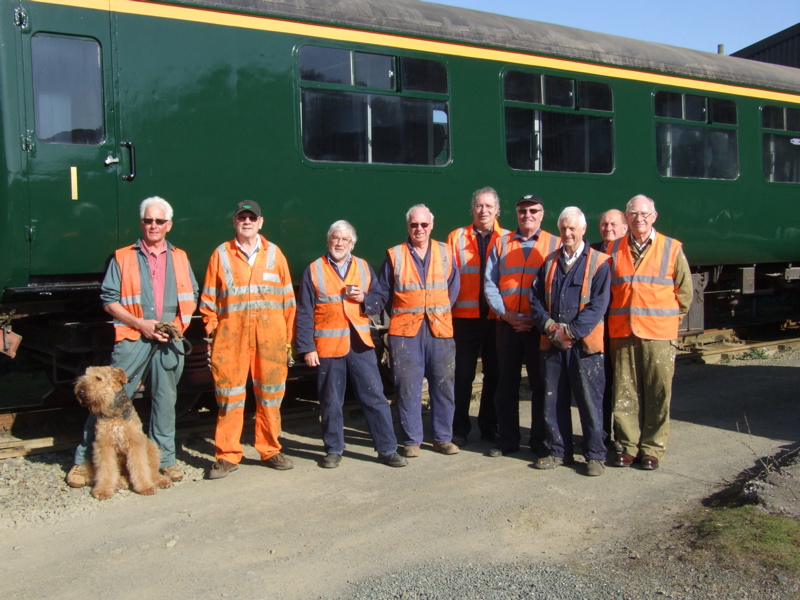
x=33 y=490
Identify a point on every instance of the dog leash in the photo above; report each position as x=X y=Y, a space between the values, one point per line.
x=175 y=335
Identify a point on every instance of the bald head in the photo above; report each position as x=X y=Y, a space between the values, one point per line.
x=613 y=225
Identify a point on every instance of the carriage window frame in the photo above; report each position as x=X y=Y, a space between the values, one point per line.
x=541 y=110
x=688 y=126
x=68 y=90
x=780 y=137
x=399 y=115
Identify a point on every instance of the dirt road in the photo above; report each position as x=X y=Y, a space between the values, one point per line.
x=309 y=532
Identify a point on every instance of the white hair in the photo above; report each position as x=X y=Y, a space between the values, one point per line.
x=156 y=201
x=640 y=197
x=415 y=207
x=342 y=225
x=572 y=212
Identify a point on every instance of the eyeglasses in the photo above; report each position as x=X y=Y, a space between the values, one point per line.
x=243 y=218
x=639 y=215
x=158 y=222
x=532 y=211
x=416 y=225
x=342 y=240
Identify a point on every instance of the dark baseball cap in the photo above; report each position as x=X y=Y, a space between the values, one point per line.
x=530 y=198
x=244 y=205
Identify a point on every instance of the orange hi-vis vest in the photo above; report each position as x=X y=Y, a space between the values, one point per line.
x=464 y=244
x=593 y=342
x=131 y=290
x=414 y=300
x=643 y=300
x=242 y=294
x=333 y=312
x=518 y=273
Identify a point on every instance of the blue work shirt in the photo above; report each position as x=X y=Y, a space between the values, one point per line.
x=492 y=275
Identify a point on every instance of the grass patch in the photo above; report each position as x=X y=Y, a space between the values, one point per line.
x=752 y=354
x=745 y=534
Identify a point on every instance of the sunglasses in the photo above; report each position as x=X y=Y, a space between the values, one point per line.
x=533 y=211
x=415 y=225
x=158 y=222
x=252 y=218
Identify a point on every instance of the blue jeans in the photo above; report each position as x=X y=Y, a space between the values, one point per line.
x=361 y=364
x=569 y=373
x=412 y=359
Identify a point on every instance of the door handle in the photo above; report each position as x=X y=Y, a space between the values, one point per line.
x=110 y=160
x=132 y=155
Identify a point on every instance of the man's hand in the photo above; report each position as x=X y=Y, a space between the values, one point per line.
x=519 y=321
x=147 y=327
x=354 y=293
x=559 y=337
x=312 y=359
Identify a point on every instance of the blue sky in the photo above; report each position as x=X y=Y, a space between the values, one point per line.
x=696 y=24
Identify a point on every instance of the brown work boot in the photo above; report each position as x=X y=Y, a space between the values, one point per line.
x=411 y=451
x=173 y=472
x=279 y=462
x=79 y=476
x=445 y=447
x=221 y=468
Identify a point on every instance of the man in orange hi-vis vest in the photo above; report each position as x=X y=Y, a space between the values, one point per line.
x=651 y=290
x=248 y=307
x=145 y=283
x=513 y=264
x=612 y=226
x=568 y=302
x=420 y=281
x=338 y=292
x=474 y=325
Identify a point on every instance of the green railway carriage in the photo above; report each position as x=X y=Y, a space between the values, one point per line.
x=360 y=108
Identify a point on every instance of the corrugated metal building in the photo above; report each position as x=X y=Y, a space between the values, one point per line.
x=783 y=48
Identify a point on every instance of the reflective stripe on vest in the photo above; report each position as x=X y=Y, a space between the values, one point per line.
x=518 y=273
x=232 y=299
x=412 y=300
x=593 y=342
x=131 y=290
x=643 y=300
x=464 y=244
x=333 y=312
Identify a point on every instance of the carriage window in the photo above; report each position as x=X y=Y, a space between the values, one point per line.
x=328 y=65
x=67 y=90
x=781 y=147
x=403 y=120
x=558 y=124
x=696 y=136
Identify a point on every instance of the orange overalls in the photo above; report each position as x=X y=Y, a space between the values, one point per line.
x=250 y=311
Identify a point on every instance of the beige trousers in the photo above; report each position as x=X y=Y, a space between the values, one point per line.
x=643 y=371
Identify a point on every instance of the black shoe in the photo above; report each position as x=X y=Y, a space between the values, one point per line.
x=460 y=440
x=331 y=461
x=392 y=460
x=496 y=451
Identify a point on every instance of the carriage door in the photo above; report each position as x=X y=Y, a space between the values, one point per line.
x=69 y=138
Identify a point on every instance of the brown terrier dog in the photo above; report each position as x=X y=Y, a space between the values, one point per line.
x=120 y=444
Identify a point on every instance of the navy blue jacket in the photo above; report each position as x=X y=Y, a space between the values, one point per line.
x=566 y=296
